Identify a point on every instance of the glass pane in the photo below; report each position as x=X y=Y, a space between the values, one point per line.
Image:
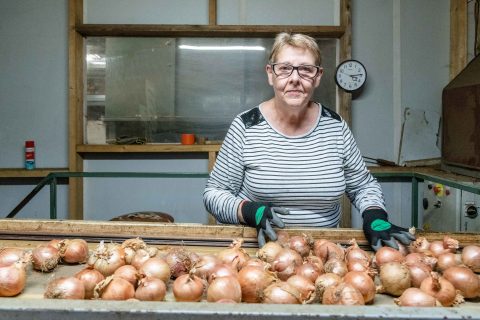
x=157 y=88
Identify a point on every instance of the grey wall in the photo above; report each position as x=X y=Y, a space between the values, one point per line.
x=402 y=43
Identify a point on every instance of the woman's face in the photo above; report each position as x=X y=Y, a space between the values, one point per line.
x=293 y=90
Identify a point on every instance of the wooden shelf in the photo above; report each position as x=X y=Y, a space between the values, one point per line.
x=23 y=173
x=146 y=148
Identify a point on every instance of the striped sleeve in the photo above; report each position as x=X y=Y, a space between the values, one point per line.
x=220 y=196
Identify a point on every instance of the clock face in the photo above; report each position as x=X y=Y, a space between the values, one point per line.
x=350 y=75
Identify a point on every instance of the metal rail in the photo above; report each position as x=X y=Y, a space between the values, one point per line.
x=52 y=178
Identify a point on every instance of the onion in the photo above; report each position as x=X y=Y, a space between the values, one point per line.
x=280 y=292
x=130 y=246
x=361 y=265
x=415 y=257
x=107 y=258
x=447 y=260
x=305 y=287
x=10 y=255
x=188 y=287
x=388 y=254
x=363 y=283
x=286 y=263
x=224 y=288
x=421 y=245
x=282 y=238
x=73 y=251
x=336 y=266
x=65 y=288
x=414 y=297
x=45 y=258
x=471 y=257
x=236 y=256
x=253 y=281
x=355 y=252
x=179 y=261
x=309 y=270
x=222 y=270
x=327 y=250
x=129 y=273
x=114 y=288
x=151 y=289
x=441 y=289
x=324 y=281
x=343 y=294
x=205 y=265
x=269 y=251
x=463 y=279
x=256 y=262
x=395 y=278
x=90 y=278
x=141 y=255
x=12 y=279
x=157 y=268
x=418 y=272
x=302 y=244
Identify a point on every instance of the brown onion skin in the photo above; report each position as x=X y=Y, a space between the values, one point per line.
x=336 y=266
x=10 y=255
x=224 y=288
x=463 y=279
x=418 y=272
x=388 y=254
x=305 y=287
x=129 y=273
x=157 y=268
x=286 y=263
x=415 y=257
x=440 y=288
x=327 y=250
x=65 y=288
x=235 y=256
x=355 y=252
x=74 y=251
x=302 y=244
x=363 y=283
x=45 y=258
x=414 y=297
x=107 y=258
x=253 y=281
x=395 y=278
x=343 y=294
x=222 y=270
x=471 y=257
x=114 y=288
x=179 y=261
x=324 y=281
x=90 y=278
x=280 y=292
x=188 y=288
x=151 y=289
x=447 y=260
x=205 y=265
x=309 y=270
x=12 y=279
x=141 y=255
x=269 y=251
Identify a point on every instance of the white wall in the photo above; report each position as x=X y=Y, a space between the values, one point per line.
x=400 y=42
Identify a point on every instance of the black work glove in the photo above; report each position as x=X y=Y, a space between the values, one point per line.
x=261 y=216
x=379 y=231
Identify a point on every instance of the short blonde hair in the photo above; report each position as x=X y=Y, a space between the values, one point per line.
x=297 y=40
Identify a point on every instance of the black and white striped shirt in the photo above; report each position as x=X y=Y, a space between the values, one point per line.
x=307 y=174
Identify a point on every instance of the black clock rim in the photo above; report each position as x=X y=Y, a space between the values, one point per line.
x=342 y=63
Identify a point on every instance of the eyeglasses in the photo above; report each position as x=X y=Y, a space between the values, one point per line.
x=305 y=71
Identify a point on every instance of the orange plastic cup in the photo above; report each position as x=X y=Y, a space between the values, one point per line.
x=187 y=138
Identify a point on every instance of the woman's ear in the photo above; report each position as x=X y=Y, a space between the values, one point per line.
x=318 y=77
x=269 y=71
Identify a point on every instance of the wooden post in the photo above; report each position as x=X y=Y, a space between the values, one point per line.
x=458 y=36
x=75 y=106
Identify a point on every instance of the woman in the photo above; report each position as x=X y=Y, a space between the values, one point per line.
x=289 y=160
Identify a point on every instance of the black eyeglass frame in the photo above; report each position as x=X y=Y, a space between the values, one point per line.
x=318 y=68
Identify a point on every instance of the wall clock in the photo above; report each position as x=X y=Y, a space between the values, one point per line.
x=350 y=75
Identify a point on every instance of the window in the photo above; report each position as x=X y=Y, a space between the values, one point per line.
x=157 y=88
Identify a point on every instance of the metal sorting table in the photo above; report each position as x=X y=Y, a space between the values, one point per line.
x=199 y=238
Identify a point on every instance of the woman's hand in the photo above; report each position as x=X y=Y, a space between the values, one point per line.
x=261 y=216
x=379 y=231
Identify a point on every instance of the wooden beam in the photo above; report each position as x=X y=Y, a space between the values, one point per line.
x=75 y=106
x=141 y=30
x=212 y=12
x=345 y=98
x=458 y=36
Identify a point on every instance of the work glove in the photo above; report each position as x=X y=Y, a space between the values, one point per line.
x=261 y=216
x=379 y=231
